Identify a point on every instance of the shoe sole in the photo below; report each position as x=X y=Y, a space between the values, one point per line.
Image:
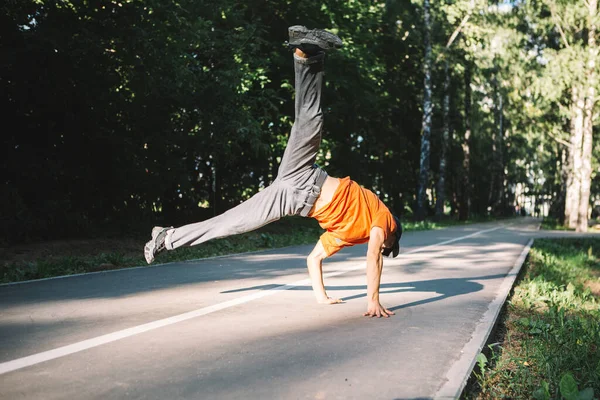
x=148 y=252
x=150 y=247
x=298 y=34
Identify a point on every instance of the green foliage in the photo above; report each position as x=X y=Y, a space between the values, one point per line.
x=553 y=224
x=551 y=346
x=482 y=363
x=144 y=111
x=569 y=390
x=543 y=393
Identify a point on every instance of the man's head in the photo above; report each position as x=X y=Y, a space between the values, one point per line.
x=391 y=246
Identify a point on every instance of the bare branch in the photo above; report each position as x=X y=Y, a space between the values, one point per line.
x=559 y=140
x=563 y=108
x=457 y=31
x=557 y=21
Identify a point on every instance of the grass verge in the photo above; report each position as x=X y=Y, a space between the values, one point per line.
x=550 y=332
x=553 y=224
x=49 y=259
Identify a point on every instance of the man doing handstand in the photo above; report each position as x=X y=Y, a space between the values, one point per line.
x=349 y=213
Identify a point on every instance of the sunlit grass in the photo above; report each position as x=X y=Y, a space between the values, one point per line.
x=429 y=224
x=551 y=346
x=553 y=224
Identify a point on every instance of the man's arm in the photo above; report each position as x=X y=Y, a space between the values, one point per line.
x=374 y=269
x=315 y=270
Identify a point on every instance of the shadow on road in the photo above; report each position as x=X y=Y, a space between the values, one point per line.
x=444 y=287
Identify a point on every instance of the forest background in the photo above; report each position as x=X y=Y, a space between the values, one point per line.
x=119 y=115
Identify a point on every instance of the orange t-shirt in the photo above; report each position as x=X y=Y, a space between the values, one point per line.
x=350 y=215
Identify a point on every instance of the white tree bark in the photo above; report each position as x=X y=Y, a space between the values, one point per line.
x=427 y=112
x=500 y=155
x=576 y=141
x=465 y=201
x=441 y=186
x=496 y=195
x=588 y=119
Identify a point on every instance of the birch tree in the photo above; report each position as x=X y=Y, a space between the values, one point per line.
x=427 y=113
x=589 y=114
x=576 y=22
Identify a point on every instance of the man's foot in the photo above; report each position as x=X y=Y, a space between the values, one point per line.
x=312 y=41
x=156 y=244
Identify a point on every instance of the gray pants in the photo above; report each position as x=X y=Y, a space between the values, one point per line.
x=299 y=180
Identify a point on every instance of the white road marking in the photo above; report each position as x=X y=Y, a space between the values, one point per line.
x=23 y=362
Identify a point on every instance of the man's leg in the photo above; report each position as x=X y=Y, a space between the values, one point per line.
x=265 y=207
x=261 y=209
x=305 y=137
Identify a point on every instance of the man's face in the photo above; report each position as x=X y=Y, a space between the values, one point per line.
x=388 y=243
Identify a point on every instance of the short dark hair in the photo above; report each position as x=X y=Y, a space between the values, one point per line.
x=393 y=251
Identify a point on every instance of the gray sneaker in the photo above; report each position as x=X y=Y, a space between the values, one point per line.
x=312 y=40
x=156 y=244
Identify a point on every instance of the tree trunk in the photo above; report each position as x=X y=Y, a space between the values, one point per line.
x=496 y=196
x=453 y=178
x=463 y=212
x=501 y=187
x=588 y=124
x=215 y=188
x=427 y=111
x=493 y=167
x=441 y=186
x=586 y=172
x=574 y=168
x=558 y=205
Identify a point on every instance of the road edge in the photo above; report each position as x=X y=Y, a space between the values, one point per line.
x=459 y=373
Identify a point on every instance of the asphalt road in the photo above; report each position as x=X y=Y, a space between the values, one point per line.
x=248 y=327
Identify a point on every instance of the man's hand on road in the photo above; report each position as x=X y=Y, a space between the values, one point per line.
x=377 y=310
x=331 y=300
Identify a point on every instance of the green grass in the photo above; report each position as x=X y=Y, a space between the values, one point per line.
x=553 y=224
x=105 y=255
x=443 y=223
x=551 y=328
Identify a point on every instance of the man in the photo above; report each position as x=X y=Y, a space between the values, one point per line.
x=350 y=214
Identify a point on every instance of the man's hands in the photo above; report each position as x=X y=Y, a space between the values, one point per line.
x=374 y=267
x=330 y=300
x=375 y=309
x=315 y=270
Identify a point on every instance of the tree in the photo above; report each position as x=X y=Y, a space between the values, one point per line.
x=576 y=23
x=427 y=113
